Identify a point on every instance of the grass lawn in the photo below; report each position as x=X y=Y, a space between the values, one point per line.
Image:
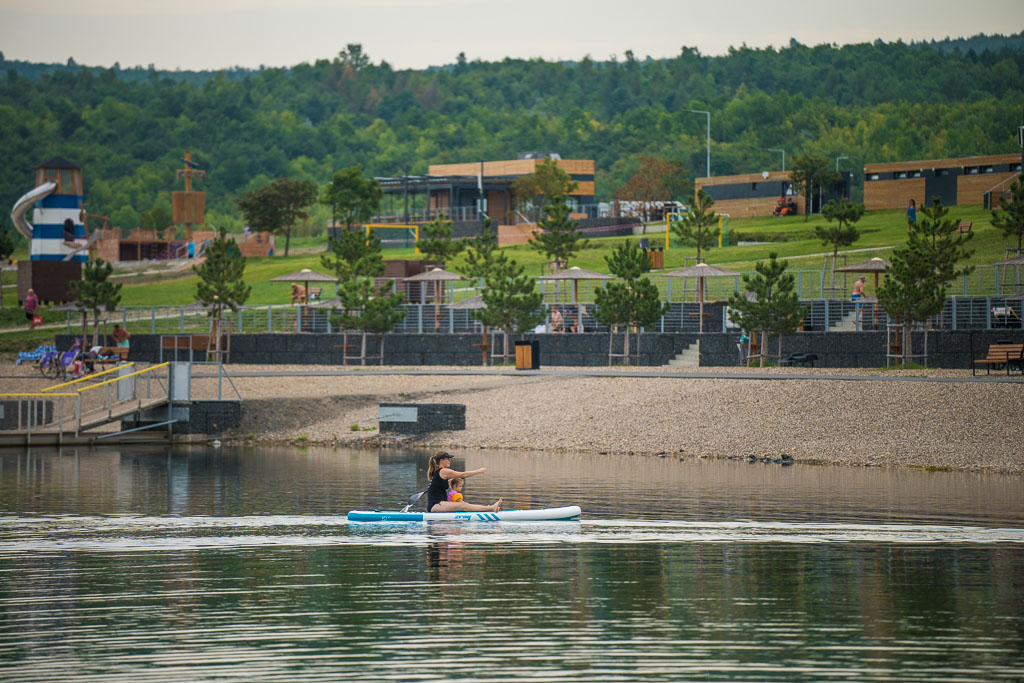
x=791 y=237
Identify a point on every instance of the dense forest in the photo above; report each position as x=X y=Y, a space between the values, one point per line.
x=128 y=128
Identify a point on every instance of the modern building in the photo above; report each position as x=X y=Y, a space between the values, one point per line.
x=963 y=180
x=455 y=190
x=756 y=194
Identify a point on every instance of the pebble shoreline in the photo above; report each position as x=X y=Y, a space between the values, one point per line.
x=961 y=426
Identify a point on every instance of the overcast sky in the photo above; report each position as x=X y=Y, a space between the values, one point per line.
x=213 y=34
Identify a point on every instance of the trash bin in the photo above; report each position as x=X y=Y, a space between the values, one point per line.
x=528 y=355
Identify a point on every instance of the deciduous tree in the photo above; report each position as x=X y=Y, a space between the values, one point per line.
x=351 y=196
x=654 y=180
x=277 y=206
x=811 y=173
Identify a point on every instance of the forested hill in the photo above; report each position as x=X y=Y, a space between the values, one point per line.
x=873 y=102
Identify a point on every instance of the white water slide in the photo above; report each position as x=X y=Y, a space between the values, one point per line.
x=27 y=200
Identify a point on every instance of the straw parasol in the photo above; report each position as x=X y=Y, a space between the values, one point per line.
x=700 y=271
x=575 y=274
x=437 y=276
x=305 y=276
x=876 y=265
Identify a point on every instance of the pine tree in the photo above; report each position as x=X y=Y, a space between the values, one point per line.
x=811 y=173
x=915 y=285
x=436 y=241
x=221 y=284
x=512 y=302
x=356 y=260
x=557 y=236
x=1010 y=216
x=95 y=292
x=698 y=227
x=846 y=213
x=776 y=309
x=634 y=301
x=482 y=252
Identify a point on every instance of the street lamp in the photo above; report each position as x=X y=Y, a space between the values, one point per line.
x=837 y=162
x=708 y=114
x=769 y=149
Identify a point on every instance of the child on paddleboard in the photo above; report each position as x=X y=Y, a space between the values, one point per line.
x=455 y=490
x=439 y=473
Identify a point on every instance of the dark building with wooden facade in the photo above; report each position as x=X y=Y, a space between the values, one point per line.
x=756 y=194
x=964 y=180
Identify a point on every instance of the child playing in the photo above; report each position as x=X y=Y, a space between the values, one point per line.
x=455 y=490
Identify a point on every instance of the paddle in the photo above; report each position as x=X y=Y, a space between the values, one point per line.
x=412 y=500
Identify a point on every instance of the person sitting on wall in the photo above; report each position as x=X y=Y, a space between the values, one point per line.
x=298 y=293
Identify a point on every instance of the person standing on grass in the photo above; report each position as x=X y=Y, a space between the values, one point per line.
x=439 y=472
x=911 y=214
x=31 y=308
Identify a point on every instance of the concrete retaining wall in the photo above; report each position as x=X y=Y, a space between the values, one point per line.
x=946 y=348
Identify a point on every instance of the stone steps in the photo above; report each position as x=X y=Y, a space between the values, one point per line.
x=688 y=357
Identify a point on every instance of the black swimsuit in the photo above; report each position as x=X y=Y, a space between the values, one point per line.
x=437 y=491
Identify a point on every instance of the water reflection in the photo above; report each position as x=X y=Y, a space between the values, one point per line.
x=240 y=565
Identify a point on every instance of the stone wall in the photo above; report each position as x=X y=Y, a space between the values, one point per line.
x=946 y=348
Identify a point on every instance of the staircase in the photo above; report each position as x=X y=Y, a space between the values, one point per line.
x=688 y=357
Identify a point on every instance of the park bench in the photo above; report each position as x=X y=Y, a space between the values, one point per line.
x=803 y=359
x=111 y=355
x=1002 y=355
x=314 y=293
x=965 y=226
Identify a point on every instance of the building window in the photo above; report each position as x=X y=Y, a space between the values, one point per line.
x=873 y=176
x=941 y=171
x=901 y=174
x=986 y=169
x=753 y=186
x=971 y=170
x=915 y=174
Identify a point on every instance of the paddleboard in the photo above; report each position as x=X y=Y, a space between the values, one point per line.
x=545 y=514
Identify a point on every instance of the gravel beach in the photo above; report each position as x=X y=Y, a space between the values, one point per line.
x=957 y=425
x=810 y=414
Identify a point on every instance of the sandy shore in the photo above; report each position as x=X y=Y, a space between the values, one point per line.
x=958 y=425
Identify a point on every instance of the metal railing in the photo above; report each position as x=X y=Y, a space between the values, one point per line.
x=79 y=404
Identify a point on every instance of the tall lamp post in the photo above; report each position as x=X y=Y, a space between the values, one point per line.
x=769 y=149
x=708 y=143
x=837 y=162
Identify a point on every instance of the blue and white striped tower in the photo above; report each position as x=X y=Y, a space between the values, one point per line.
x=57 y=228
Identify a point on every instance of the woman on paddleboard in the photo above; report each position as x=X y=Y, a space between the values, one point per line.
x=438 y=474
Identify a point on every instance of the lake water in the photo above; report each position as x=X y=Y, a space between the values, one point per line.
x=210 y=564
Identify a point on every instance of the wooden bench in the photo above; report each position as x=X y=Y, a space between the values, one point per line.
x=314 y=293
x=965 y=226
x=1001 y=355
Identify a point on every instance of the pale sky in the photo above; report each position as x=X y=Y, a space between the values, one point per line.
x=214 y=34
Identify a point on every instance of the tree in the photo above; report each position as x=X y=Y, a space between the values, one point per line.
x=6 y=249
x=512 y=303
x=632 y=302
x=547 y=181
x=355 y=198
x=557 y=236
x=221 y=285
x=655 y=179
x=699 y=226
x=277 y=206
x=482 y=252
x=356 y=260
x=846 y=213
x=915 y=285
x=95 y=292
x=436 y=241
x=1010 y=216
x=157 y=218
x=776 y=308
x=811 y=173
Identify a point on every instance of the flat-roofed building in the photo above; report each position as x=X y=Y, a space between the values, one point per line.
x=756 y=194
x=961 y=180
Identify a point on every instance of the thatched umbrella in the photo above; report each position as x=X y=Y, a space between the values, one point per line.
x=700 y=271
x=575 y=274
x=305 y=276
x=877 y=266
x=437 y=276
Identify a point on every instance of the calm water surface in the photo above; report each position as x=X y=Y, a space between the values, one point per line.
x=239 y=565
